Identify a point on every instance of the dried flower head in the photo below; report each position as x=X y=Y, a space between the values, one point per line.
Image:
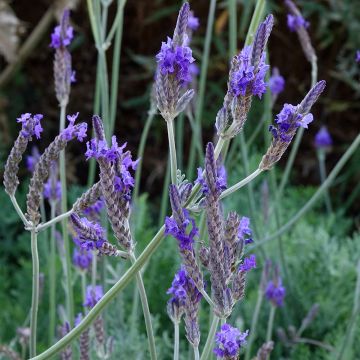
x=229 y=341
x=30 y=127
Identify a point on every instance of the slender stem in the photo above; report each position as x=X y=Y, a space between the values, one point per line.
x=118 y=19
x=270 y=323
x=255 y=21
x=83 y=283
x=254 y=322
x=176 y=340
x=53 y=221
x=164 y=197
x=35 y=293
x=329 y=180
x=314 y=342
x=146 y=311
x=210 y=339
x=180 y=139
x=322 y=168
x=115 y=69
x=196 y=136
x=19 y=211
x=134 y=312
x=196 y=353
x=140 y=153
x=240 y=184
x=172 y=149
x=94 y=270
x=52 y=277
x=64 y=223
x=207 y=298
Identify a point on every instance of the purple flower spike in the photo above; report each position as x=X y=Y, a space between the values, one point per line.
x=93 y=295
x=245 y=232
x=248 y=264
x=52 y=192
x=294 y=22
x=323 y=138
x=357 y=56
x=63 y=33
x=276 y=82
x=229 y=341
x=71 y=130
x=275 y=292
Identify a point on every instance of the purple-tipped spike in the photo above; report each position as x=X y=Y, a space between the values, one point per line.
x=98 y=127
x=181 y=25
x=311 y=97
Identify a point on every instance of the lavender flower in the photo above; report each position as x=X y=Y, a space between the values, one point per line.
x=245 y=232
x=66 y=354
x=246 y=79
x=52 y=188
x=229 y=341
x=275 y=292
x=248 y=264
x=84 y=340
x=82 y=258
x=265 y=350
x=63 y=73
x=295 y=22
x=31 y=160
x=184 y=229
x=276 y=82
x=88 y=198
x=115 y=180
x=193 y=22
x=287 y=122
x=185 y=300
x=323 y=138
x=173 y=70
x=93 y=210
x=93 y=295
x=30 y=126
x=357 y=56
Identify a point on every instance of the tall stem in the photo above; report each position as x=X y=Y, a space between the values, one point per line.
x=196 y=353
x=210 y=339
x=176 y=340
x=52 y=278
x=172 y=149
x=146 y=311
x=35 y=293
x=322 y=169
x=64 y=223
x=254 y=321
x=270 y=323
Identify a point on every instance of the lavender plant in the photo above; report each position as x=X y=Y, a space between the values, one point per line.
x=215 y=263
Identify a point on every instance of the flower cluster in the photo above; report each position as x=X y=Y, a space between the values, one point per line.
x=221 y=178
x=180 y=231
x=245 y=232
x=357 y=56
x=323 y=138
x=52 y=190
x=30 y=125
x=193 y=22
x=70 y=131
x=276 y=82
x=248 y=79
x=288 y=120
x=229 y=341
x=275 y=292
x=93 y=295
x=93 y=211
x=82 y=258
x=176 y=61
x=295 y=22
x=63 y=33
x=248 y=263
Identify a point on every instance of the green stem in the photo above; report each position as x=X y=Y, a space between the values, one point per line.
x=172 y=150
x=329 y=180
x=42 y=227
x=69 y=289
x=210 y=339
x=196 y=136
x=322 y=169
x=146 y=311
x=255 y=21
x=35 y=293
x=19 y=211
x=196 y=353
x=116 y=64
x=254 y=322
x=117 y=21
x=180 y=139
x=270 y=323
x=52 y=278
x=140 y=153
x=176 y=340
x=164 y=197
